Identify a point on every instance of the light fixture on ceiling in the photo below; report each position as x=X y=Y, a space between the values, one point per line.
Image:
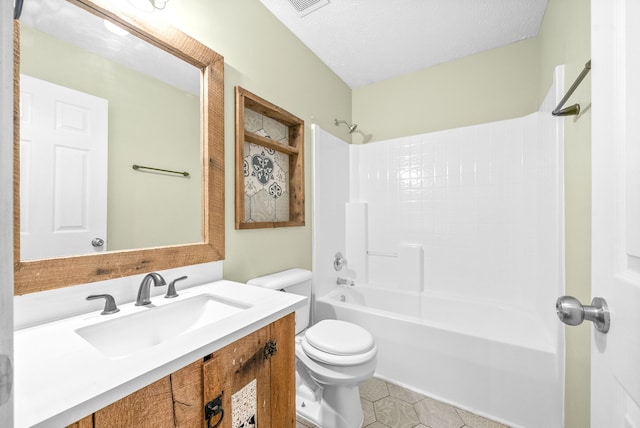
x=305 y=7
x=114 y=28
x=149 y=5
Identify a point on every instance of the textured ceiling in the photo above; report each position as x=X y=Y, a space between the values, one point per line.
x=365 y=41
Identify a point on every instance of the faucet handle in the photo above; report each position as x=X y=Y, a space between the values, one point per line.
x=109 y=303
x=171 y=291
x=339 y=261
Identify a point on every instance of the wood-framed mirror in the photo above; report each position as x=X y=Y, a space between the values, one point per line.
x=56 y=272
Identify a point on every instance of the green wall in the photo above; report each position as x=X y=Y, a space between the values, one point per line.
x=264 y=57
x=503 y=83
x=493 y=85
x=565 y=38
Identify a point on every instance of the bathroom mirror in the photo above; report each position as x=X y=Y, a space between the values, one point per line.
x=207 y=166
x=96 y=100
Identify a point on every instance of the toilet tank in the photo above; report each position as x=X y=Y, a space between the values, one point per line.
x=296 y=281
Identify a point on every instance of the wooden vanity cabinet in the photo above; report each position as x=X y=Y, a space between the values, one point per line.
x=178 y=400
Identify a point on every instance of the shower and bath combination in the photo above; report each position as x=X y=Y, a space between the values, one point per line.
x=351 y=127
x=412 y=273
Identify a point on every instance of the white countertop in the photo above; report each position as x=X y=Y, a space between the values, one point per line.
x=61 y=378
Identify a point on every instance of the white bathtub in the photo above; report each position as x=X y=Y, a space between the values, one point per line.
x=483 y=358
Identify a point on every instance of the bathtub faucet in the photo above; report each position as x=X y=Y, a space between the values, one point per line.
x=344 y=281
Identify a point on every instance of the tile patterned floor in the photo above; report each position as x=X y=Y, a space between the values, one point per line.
x=386 y=405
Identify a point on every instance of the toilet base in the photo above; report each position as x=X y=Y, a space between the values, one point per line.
x=330 y=406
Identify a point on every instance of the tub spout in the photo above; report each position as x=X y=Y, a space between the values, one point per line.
x=344 y=281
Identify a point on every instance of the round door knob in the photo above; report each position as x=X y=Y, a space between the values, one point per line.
x=572 y=312
x=97 y=242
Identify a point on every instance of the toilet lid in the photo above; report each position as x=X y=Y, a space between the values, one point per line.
x=337 y=337
x=337 y=360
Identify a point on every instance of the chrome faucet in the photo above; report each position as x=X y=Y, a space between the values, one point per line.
x=145 y=285
x=344 y=281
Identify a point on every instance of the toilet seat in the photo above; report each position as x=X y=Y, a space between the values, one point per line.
x=338 y=343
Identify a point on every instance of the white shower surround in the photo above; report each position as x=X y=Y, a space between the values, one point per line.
x=483 y=205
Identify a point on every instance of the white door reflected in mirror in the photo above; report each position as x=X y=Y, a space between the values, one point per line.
x=63 y=163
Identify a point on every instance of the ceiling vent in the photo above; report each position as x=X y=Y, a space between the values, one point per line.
x=305 y=7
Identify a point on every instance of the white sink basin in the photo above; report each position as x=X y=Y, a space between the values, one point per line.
x=153 y=325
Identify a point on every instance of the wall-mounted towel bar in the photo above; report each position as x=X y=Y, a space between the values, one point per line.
x=382 y=253
x=140 y=167
x=573 y=110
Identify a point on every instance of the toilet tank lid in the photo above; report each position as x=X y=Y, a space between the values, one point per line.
x=279 y=280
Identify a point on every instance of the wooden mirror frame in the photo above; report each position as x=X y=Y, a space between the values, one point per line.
x=47 y=274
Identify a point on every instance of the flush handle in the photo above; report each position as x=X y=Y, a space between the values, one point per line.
x=572 y=312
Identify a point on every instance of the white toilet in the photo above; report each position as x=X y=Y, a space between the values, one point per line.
x=332 y=358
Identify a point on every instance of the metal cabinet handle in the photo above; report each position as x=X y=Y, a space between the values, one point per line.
x=572 y=312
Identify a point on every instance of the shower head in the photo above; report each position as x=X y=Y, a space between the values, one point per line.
x=351 y=127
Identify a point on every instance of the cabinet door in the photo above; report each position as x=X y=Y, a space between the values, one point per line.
x=249 y=380
x=240 y=373
x=173 y=401
x=283 y=373
x=149 y=407
x=186 y=388
x=86 y=422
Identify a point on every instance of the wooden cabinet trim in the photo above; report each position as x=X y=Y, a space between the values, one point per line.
x=295 y=151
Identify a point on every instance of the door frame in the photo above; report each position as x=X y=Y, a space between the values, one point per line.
x=6 y=196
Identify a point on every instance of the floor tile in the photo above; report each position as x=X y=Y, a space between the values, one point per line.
x=404 y=394
x=475 y=421
x=386 y=405
x=369 y=412
x=376 y=425
x=395 y=413
x=438 y=415
x=374 y=389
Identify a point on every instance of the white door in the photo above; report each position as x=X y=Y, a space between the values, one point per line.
x=63 y=171
x=615 y=356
